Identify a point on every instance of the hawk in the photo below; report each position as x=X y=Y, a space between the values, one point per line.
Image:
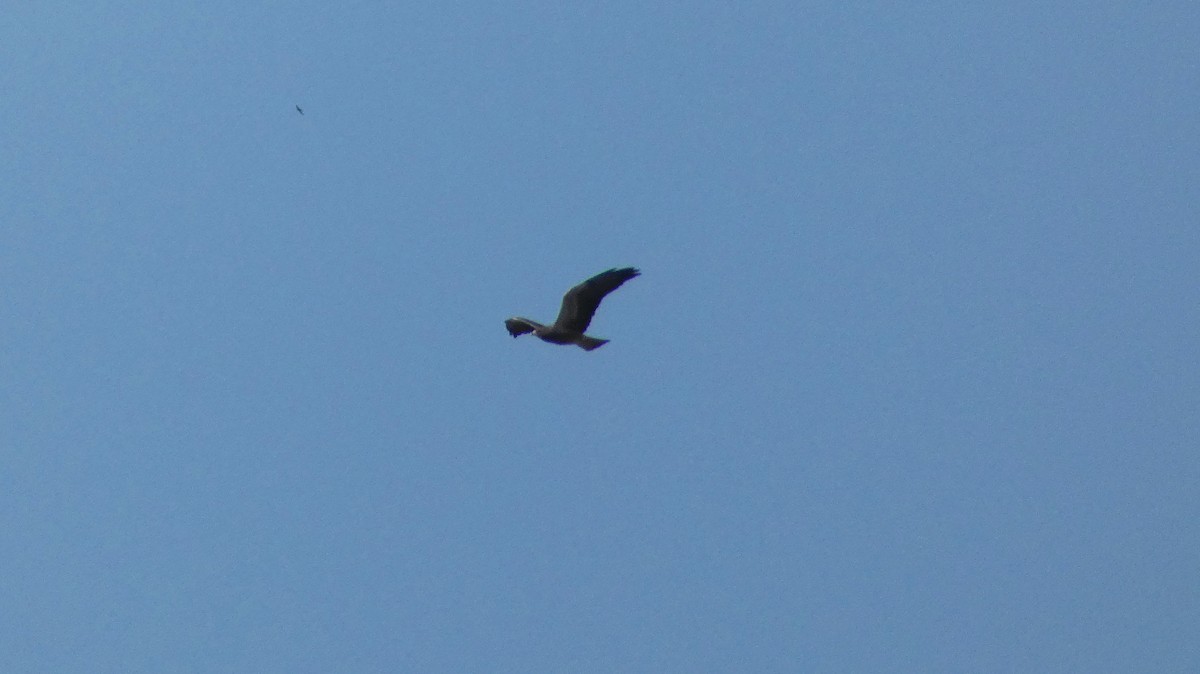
x=578 y=307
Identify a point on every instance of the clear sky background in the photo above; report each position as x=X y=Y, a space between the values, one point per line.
x=910 y=381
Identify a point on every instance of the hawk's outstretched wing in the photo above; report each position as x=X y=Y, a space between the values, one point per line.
x=580 y=303
x=520 y=326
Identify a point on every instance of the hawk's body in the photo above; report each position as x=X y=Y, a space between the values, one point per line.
x=578 y=307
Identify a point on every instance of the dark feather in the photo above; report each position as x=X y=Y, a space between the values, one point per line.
x=580 y=303
x=517 y=326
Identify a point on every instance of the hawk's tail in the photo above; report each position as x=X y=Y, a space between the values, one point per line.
x=590 y=343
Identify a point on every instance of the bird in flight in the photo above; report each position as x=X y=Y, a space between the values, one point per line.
x=578 y=307
x=299 y=110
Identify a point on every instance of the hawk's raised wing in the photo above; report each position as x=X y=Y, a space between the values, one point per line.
x=580 y=303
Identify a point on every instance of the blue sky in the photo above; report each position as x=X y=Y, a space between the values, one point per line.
x=910 y=381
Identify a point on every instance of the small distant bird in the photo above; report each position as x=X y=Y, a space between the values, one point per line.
x=299 y=110
x=578 y=307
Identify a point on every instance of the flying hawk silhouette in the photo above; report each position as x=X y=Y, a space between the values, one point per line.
x=578 y=307
x=299 y=110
